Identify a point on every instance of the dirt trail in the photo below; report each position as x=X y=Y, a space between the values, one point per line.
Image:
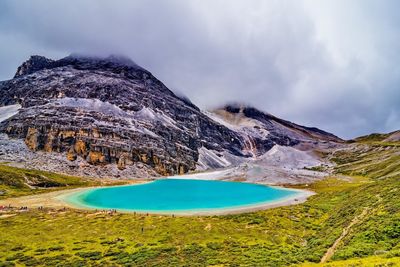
x=331 y=251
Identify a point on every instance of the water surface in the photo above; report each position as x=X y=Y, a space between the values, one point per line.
x=180 y=195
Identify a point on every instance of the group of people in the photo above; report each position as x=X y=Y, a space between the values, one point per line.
x=110 y=211
x=11 y=207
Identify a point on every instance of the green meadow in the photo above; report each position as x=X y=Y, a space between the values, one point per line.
x=363 y=192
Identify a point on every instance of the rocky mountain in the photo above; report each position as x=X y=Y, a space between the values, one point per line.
x=261 y=130
x=110 y=111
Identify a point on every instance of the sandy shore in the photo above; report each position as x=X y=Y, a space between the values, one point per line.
x=58 y=199
x=48 y=200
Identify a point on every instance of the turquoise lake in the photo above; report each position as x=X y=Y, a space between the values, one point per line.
x=179 y=195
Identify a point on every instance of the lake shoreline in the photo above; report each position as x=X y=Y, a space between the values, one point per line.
x=60 y=199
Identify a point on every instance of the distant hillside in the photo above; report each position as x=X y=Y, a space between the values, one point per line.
x=378 y=137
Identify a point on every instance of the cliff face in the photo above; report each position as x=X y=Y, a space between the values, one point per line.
x=112 y=111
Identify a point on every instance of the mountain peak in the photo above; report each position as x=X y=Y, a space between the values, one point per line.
x=240 y=114
x=34 y=63
x=115 y=59
x=81 y=61
x=246 y=109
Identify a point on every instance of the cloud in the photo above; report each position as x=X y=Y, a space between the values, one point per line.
x=330 y=64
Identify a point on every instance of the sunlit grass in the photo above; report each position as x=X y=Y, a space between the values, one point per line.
x=277 y=237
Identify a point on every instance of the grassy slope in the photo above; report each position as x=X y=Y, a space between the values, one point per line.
x=379 y=233
x=372 y=261
x=276 y=237
x=18 y=182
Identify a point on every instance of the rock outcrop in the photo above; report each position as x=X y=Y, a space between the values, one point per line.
x=33 y=64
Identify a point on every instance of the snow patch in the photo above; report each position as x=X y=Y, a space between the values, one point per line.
x=211 y=159
x=9 y=111
x=147 y=114
x=92 y=105
x=212 y=175
x=241 y=124
x=289 y=157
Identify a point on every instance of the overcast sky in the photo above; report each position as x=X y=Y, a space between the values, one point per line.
x=330 y=64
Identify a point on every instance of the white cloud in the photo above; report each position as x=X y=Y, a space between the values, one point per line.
x=331 y=64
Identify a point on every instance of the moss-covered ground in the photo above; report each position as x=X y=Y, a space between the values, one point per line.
x=284 y=236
